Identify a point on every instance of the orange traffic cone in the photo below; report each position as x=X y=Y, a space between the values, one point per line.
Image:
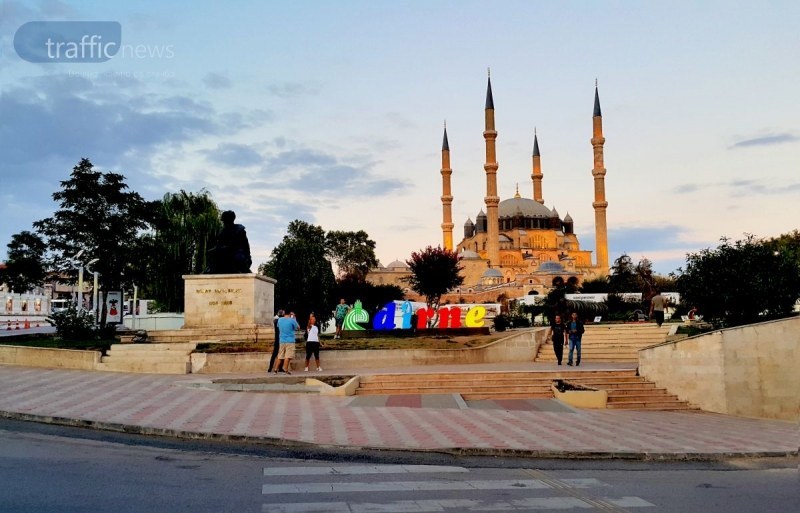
x=27 y=324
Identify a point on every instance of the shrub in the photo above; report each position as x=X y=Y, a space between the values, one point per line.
x=501 y=322
x=72 y=324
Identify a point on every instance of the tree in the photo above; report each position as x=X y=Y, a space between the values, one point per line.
x=352 y=252
x=434 y=271
x=373 y=297
x=305 y=280
x=623 y=276
x=25 y=265
x=740 y=282
x=100 y=216
x=597 y=285
x=184 y=227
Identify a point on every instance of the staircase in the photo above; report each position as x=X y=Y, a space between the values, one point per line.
x=149 y=358
x=611 y=342
x=625 y=389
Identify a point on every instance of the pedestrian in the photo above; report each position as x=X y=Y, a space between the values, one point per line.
x=312 y=343
x=339 y=314
x=575 y=333
x=558 y=333
x=276 y=345
x=657 y=304
x=287 y=325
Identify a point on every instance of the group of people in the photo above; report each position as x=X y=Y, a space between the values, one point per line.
x=565 y=334
x=283 y=350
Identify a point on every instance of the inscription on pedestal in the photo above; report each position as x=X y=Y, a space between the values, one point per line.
x=228 y=300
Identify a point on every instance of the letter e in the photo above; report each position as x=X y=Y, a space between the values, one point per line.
x=475 y=317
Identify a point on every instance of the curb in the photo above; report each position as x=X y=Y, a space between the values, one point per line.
x=455 y=451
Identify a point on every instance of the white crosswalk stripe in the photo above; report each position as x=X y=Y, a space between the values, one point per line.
x=544 y=493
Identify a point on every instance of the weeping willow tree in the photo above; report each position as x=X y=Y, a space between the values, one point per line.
x=185 y=226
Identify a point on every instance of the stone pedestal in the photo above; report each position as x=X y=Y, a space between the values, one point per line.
x=228 y=300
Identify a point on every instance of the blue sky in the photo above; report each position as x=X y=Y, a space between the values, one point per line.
x=332 y=112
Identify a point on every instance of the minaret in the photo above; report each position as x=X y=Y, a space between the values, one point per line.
x=599 y=173
x=447 y=198
x=537 y=175
x=491 y=199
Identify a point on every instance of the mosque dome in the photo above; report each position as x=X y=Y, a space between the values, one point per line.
x=551 y=267
x=525 y=207
x=397 y=264
x=492 y=273
x=468 y=254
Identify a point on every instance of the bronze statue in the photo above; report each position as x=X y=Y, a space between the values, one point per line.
x=231 y=252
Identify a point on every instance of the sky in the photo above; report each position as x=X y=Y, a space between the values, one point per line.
x=332 y=113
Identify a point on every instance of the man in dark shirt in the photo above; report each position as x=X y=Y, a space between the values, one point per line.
x=558 y=334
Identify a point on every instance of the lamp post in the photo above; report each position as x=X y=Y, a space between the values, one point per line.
x=77 y=264
x=95 y=291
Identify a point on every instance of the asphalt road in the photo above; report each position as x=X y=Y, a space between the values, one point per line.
x=57 y=469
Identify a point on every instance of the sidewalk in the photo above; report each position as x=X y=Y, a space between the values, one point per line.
x=176 y=405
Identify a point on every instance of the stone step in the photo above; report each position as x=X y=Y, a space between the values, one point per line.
x=640 y=395
x=527 y=390
x=146 y=367
x=650 y=405
x=556 y=374
x=480 y=396
x=186 y=347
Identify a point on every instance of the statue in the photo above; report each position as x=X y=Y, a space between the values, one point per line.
x=231 y=252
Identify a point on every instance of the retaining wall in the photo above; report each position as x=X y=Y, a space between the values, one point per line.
x=750 y=370
x=49 y=358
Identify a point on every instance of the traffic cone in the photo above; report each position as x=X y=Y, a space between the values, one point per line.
x=27 y=324
x=17 y=326
x=8 y=325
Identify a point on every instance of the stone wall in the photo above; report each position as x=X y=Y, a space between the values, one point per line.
x=49 y=358
x=519 y=346
x=748 y=370
x=228 y=300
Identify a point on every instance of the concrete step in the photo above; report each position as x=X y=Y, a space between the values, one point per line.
x=479 y=396
x=146 y=367
x=649 y=405
x=186 y=347
x=526 y=390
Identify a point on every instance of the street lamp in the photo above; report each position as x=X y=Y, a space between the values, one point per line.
x=79 y=266
x=95 y=309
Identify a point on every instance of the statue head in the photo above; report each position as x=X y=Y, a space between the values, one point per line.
x=228 y=217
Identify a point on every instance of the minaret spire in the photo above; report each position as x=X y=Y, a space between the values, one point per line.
x=447 y=198
x=599 y=173
x=537 y=175
x=491 y=199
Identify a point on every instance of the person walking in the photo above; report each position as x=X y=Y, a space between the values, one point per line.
x=339 y=314
x=276 y=345
x=287 y=325
x=657 y=304
x=575 y=331
x=558 y=333
x=312 y=343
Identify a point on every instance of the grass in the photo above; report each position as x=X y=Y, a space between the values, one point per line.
x=56 y=343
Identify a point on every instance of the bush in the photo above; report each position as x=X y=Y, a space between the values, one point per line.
x=520 y=321
x=501 y=322
x=72 y=324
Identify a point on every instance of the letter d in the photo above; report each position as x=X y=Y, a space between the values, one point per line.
x=384 y=319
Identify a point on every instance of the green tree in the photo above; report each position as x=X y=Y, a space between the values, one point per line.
x=184 y=227
x=623 y=276
x=100 y=216
x=434 y=271
x=305 y=280
x=352 y=252
x=740 y=282
x=25 y=264
x=598 y=285
x=373 y=297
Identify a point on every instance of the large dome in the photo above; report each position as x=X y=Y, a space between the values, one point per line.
x=525 y=207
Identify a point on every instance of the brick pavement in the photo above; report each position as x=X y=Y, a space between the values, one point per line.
x=170 y=405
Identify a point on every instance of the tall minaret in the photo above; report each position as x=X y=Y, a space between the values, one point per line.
x=599 y=174
x=491 y=199
x=447 y=197
x=537 y=175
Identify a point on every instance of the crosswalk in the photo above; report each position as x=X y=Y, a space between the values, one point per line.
x=431 y=488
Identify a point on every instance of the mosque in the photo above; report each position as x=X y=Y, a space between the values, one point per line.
x=516 y=246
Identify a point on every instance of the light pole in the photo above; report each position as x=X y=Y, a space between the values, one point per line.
x=77 y=264
x=95 y=291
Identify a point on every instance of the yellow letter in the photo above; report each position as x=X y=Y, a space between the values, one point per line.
x=475 y=316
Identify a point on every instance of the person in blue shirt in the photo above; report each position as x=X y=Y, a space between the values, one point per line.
x=287 y=325
x=575 y=333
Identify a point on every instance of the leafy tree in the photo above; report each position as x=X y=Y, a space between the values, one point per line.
x=352 y=252
x=597 y=285
x=184 y=227
x=373 y=297
x=434 y=271
x=305 y=280
x=740 y=282
x=623 y=276
x=99 y=215
x=25 y=265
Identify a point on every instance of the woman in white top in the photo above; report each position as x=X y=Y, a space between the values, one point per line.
x=312 y=342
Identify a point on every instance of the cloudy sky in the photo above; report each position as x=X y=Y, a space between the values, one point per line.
x=332 y=112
